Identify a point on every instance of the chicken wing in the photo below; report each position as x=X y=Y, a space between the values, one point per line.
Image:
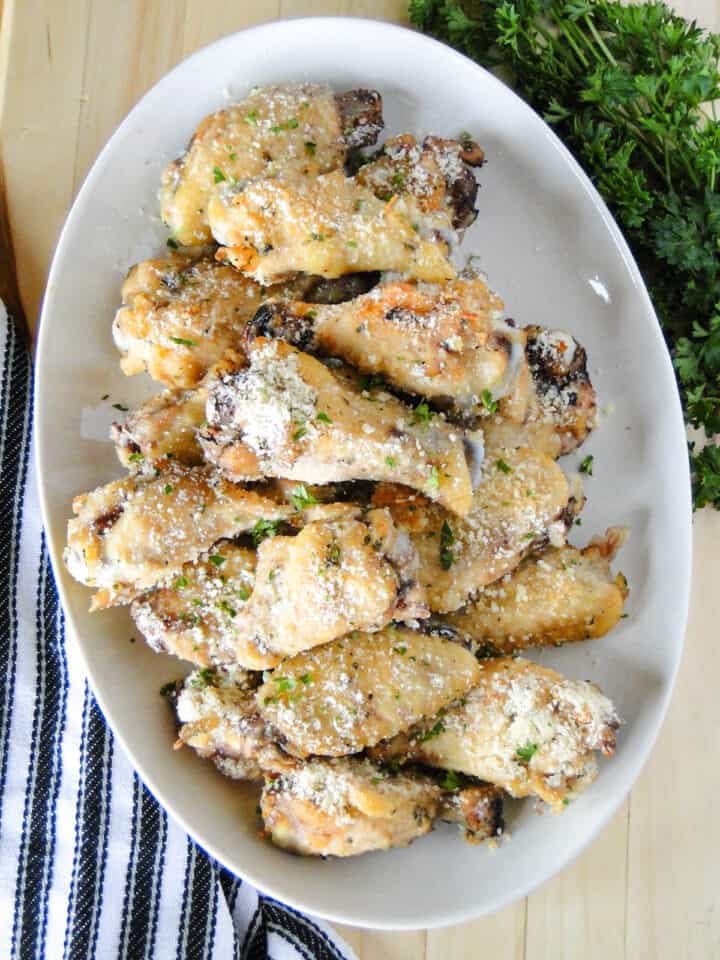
x=131 y=534
x=193 y=616
x=552 y=404
x=343 y=808
x=524 y=728
x=219 y=721
x=521 y=502
x=559 y=596
x=445 y=341
x=301 y=128
x=437 y=174
x=271 y=229
x=288 y=415
x=350 y=694
x=164 y=426
x=331 y=578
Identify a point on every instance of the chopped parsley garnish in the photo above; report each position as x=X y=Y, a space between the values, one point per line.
x=566 y=801
x=358 y=204
x=334 y=554
x=251 y=117
x=502 y=465
x=587 y=465
x=465 y=136
x=317 y=236
x=488 y=402
x=243 y=593
x=398 y=179
x=433 y=732
x=301 y=498
x=293 y=123
x=168 y=488
x=136 y=458
x=310 y=147
x=183 y=342
x=218 y=175
x=422 y=413
x=306 y=678
x=391 y=462
x=203 y=678
x=172 y=243
x=452 y=780
x=352 y=243
x=323 y=417
x=216 y=560
x=402 y=650
x=284 y=684
x=121 y=407
x=299 y=433
x=370 y=381
x=447 y=539
x=433 y=481
x=264 y=529
x=226 y=608
x=181 y=583
x=526 y=753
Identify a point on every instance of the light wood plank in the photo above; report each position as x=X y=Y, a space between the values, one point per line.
x=44 y=64
x=674 y=869
x=581 y=912
x=207 y=20
x=497 y=937
x=395 y=10
x=384 y=945
x=147 y=40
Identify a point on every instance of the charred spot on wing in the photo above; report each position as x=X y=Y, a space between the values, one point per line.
x=278 y=321
x=455 y=160
x=555 y=367
x=360 y=117
x=340 y=289
x=106 y=521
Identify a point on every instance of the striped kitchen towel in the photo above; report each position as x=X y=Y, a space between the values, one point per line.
x=90 y=865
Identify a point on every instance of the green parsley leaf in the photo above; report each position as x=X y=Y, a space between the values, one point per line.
x=183 y=342
x=136 y=458
x=433 y=481
x=488 y=402
x=301 y=498
x=299 y=433
x=293 y=123
x=284 y=684
x=422 y=413
x=452 y=780
x=447 y=539
x=216 y=560
x=181 y=583
x=587 y=465
x=323 y=417
x=243 y=593
x=251 y=118
x=168 y=488
x=526 y=753
x=310 y=147
x=203 y=678
x=391 y=462
x=264 y=529
x=402 y=650
x=219 y=176
x=433 y=732
x=503 y=466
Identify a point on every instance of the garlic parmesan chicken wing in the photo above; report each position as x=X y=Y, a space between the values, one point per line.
x=559 y=596
x=551 y=405
x=271 y=229
x=352 y=693
x=521 y=502
x=329 y=579
x=447 y=342
x=219 y=720
x=179 y=315
x=164 y=426
x=343 y=808
x=437 y=173
x=287 y=415
x=131 y=534
x=523 y=727
x=193 y=616
x=301 y=128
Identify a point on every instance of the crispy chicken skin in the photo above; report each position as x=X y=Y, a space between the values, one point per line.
x=302 y=128
x=559 y=596
x=271 y=229
x=164 y=426
x=193 y=616
x=520 y=502
x=552 y=405
x=287 y=415
x=179 y=315
x=445 y=341
x=131 y=534
x=343 y=808
x=219 y=721
x=333 y=577
x=524 y=728
x=437 y=173
x=352 y=693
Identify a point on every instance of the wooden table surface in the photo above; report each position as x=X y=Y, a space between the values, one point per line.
x=649 y=887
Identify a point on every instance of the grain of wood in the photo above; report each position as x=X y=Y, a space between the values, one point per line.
x=52 y=57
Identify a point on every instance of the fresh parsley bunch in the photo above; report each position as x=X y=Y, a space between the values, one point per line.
x=631 y=91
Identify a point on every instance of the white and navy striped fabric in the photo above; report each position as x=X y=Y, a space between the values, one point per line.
x=90 y=865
